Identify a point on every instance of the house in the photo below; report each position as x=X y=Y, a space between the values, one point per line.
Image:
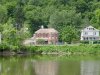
x=89 y=34
x=49 y=35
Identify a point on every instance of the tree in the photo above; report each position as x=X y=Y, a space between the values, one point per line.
x=3 y=14
x=50 y=13
x=19 y=15
x=81 y=6
x=8 y=34
x=64 y=18
x=69 y=33
x=96 y=18
x=12 y=36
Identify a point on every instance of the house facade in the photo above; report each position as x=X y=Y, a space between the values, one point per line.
x=49 y=35
x=90 y=34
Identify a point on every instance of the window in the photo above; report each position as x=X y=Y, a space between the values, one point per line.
x=94 y=33
x=90 y=28
x=52 y=35
x=40 y=34
x=87 y=38
x=94 y=38
x=85 y=33
x=43 y=34
x=37 y=35
x=47 y=35
x=84 y=38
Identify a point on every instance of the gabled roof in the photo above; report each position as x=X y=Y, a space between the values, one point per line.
x=90 y=28
x=46 y=30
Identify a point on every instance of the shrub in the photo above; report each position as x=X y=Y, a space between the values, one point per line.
x=84 y=42
x=4 y=47
x=40 y=41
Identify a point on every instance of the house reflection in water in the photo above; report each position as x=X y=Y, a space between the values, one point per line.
x=0 y=68
x=90 y=68
x=46 y=68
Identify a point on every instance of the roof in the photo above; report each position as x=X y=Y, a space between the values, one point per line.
x=46 y=30
x=90 y=28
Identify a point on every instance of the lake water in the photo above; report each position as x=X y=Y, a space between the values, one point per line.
x=50 y=65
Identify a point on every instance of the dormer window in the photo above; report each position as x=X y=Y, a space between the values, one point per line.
x=90 y=28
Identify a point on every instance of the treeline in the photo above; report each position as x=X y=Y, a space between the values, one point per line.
x=19 y=17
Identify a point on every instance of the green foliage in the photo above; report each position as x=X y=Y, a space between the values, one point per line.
x=68 y=34
x=85 y=42
x=96 y=18
x=4 y=47
x=65 y=18
x=40 y=41
x=81 y=49
x=60 y=21
x=16 y=49
x=81 y=6
x=13 y=37
x=3 y=14
x=58 y=14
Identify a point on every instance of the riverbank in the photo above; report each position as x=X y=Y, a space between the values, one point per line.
x=82 y=49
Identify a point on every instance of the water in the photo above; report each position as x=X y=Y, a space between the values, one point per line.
x=50 y=65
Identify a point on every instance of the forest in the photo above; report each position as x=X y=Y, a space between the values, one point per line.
x=19 y=19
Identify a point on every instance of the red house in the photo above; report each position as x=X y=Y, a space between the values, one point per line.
x=49 y=35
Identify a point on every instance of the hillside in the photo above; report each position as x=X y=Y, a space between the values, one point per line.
x=19 y=15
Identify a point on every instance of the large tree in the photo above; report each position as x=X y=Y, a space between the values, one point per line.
x=69 y=34
x=64 y=18
x=12 y=36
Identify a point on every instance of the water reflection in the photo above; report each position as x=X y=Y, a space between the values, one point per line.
x=17 y=66
x=69 y=68
x=46 y=67
x=31 y=66
x=90 y=68
x=0 y=68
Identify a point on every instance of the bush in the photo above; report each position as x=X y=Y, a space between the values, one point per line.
x=4 y=47
x=40 y=41
x=84 y=42
x=81 y=49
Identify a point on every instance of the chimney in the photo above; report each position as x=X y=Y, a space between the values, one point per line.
x=42 y=27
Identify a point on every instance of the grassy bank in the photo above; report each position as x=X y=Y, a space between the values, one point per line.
x=53 y=49
x=81 y=49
